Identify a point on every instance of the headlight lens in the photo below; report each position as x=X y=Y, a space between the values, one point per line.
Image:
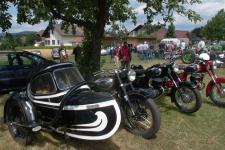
x=131 y=75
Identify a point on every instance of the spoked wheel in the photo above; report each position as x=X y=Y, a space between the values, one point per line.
x=15 y=118
x=146 y=118
x=188 y=57
x=188 y=100
x=216 y=97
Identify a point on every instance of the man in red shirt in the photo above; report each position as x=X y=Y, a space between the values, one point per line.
x=126 y=56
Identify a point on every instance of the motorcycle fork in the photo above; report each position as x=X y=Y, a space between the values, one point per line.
x=175 y=83
x=218 y=85
x=122 y=86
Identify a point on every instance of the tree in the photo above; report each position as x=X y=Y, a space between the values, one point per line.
x=196 y=34
x=92 y=15
x=215 y=28
x=8 y=43
x=118 y=31
x=171 y=31
x=150 y=28
x=30 y=39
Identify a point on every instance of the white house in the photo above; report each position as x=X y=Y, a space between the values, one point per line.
x=58 y=36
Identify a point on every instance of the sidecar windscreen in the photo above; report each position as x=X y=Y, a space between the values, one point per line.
x=67 y=77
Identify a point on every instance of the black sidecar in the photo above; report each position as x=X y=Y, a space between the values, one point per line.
x=58 y=98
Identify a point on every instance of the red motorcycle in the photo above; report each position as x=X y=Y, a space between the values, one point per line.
x=216 y=87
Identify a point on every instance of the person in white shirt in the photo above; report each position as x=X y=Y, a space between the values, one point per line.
x=201 y=45
x=182 y=45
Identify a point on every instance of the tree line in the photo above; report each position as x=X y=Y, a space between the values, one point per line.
x=10 y=41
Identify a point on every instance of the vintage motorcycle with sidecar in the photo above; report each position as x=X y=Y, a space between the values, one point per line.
x=162 y=79
x=58 y=98
x=141 y=114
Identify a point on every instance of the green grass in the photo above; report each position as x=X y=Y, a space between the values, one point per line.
x=203 y=130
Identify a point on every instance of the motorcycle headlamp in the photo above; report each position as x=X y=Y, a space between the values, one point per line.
x=131 y=75
x=176 y=68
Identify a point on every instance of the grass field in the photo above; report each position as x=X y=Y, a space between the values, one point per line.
x=203 y=130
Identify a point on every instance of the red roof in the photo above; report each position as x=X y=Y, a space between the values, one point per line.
x=181 y=34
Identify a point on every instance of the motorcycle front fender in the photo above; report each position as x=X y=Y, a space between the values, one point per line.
x=26 y=106
x=211 y=83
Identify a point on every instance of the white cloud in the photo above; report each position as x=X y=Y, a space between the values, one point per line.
x=140 y=9
x=26 y=27
x=207 y=9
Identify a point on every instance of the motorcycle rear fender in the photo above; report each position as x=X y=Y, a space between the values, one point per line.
x=26 y=106
x=211 y=83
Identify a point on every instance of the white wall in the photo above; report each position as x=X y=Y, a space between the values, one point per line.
x=66 y=40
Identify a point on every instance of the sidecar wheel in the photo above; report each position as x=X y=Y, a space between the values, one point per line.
x=215 y=96
x=146 y=125
x=191 y=101
x=15 y=114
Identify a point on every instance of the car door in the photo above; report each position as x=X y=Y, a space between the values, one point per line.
x=27 y=64
x=18 y=81
x=6 y=72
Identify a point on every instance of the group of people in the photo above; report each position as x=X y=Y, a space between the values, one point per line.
x=122 y=54
x=63 y=54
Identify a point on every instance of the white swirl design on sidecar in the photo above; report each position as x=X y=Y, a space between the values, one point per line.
x=98 y=125
x=100 y=105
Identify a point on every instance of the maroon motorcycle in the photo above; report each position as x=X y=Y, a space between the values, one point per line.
x=216 y=87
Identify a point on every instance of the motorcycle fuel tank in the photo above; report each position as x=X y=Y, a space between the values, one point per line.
x=105 y=83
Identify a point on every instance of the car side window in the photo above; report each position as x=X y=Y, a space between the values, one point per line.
x=43 y=85
x=4 y=60
x=14 y=60
x=34 y=58
x=26 y=60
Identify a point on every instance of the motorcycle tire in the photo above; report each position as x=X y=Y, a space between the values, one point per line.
x=185 y=109
x=188 y=57
x=136 y=100
x=15 y=113
x=214 y=97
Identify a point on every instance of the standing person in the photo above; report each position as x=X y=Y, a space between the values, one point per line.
x=76 y=53
x=126 y=56
x=63 y=54
x=111 y=50
x=182 y=45
x=116 y=54
x=201 y=46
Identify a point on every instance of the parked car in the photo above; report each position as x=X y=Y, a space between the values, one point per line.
x=58 y=98
x=104 y=52
x=15 y=68
x=55 y=53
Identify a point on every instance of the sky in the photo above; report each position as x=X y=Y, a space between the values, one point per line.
x=207 y=9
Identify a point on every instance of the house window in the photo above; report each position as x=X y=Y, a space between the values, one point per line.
x=47 y=42
x=53 y=42
x=58 y=42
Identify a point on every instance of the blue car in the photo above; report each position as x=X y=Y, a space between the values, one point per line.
x=15 y=67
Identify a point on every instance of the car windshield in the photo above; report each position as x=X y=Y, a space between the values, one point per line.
x=67 y=77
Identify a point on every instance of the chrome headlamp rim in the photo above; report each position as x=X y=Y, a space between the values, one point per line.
x=131 y=75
